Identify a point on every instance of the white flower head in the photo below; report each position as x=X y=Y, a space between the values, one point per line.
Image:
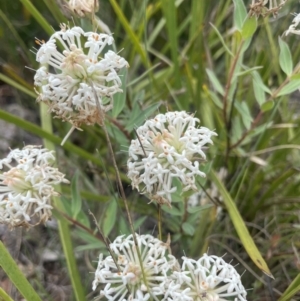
x=128 y=283
x=26 y=187
x=295 y=23
x=84 y=78
x=168 y=146
x=208 y=279
x=83 y=7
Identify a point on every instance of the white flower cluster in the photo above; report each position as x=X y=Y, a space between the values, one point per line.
x=26 y=187
x=208 y=279
x=295 y=23
x=127 y=282
x=83 y=80
x=168 y=146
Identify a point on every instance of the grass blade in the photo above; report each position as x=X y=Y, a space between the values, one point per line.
x=34 y=129
x=240 y=226
x=16 y=276
x=63 y=226
x=291 y=290
x=39 y=18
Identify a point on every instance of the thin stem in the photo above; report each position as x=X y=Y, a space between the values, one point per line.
x=119 y=181
x=105 y=241
x=159 y=218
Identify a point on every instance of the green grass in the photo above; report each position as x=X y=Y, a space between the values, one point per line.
x=203 y=57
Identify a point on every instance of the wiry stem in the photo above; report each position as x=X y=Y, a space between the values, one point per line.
x=119 y=181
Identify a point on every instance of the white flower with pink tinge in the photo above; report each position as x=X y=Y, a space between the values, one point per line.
x=26 y=187
x=127 y=282
x=168 y=146
x=82 y=78
x=208 y=279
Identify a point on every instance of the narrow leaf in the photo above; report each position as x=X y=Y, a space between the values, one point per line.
x=76 y=198
x=267 y=106
x=16 y=85
x=240 y=226
x=291 y=290
x=16 y=276
x=120 y=98
x=199 y=208
x=289 y=88
x=259 y=92
x=222 y=40
x=173 y=210
x=36 y=130
x=110 y=217
x=38 y=16
x=188 y=229
x=240 y=14
x=285 y=57
x=249 y=28
x=128 y=29
x=215 y=82
x=257 y=78
x=245 y=113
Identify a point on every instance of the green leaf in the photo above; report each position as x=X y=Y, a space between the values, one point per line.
x=117 y=134
x=123 y=224
x=173 y=210
x=140 y=116
x=170 y=14
x=196 y=209
x=237 y=128
x=222 y=40
x=90 y=241
x=38 y=16
x=36 y=130
x=267 y=106
x=129 y=31
x=76 y=198
x=120 y=98
x=295 y=76
x=63 y=224
x=249 y=28
x=4 y=296
x=247 y=70
x=215 y=82
x=188 y=229
x=83 y=219
x=139 y=222
x=109 y=219
x=259 y=92
x=240 y=226
x=285 y=57
x=216 y=100
x=291 y=290
x=258 y=80
x=289 y=88
x=16 y=276
x=16 y=85
x=240 y=14
x=245 y=113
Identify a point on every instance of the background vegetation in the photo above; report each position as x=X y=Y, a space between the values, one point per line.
x=239 y=77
